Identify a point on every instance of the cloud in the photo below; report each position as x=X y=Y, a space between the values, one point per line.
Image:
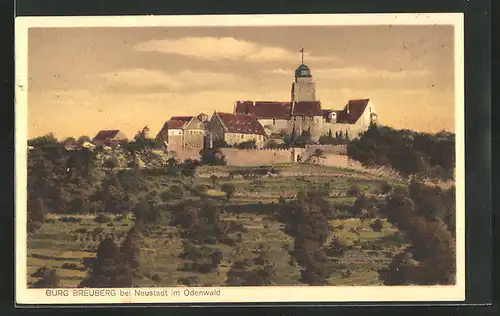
x=369 y=73
x=220 y=48
x=144 y=78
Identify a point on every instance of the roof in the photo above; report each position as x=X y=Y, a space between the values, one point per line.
x=241 y=123
x=175 y=124
x=181 y=118
x=307 y=108
x=106 y=134
x=352 y=111
x=303 y=71
x=264 y=109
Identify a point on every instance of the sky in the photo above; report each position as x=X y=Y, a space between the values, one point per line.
x=82 y=80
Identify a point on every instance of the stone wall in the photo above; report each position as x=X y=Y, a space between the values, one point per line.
x=248 y=157
x=327 y=149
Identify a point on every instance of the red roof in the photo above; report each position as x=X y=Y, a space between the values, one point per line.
x=352 y=111
x=264 y=109
x=175 y=124
x=106 y=134
x=241 y=123
x=307 y=108
x=181 y=118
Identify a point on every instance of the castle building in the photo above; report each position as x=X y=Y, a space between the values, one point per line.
x=304 y=114
x=235 y=128
x=182 y=132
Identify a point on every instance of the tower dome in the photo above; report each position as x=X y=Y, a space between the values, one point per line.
x=303 y=71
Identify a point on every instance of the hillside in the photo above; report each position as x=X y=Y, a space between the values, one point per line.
x=64 y=240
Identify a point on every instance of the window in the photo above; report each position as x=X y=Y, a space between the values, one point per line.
x=303 y=118
x=312 y=117
x=274 y=121
x=242 y=136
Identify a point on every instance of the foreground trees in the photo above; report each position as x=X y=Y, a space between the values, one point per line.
x=305 y=220
x=113 y=266
x=431 y=258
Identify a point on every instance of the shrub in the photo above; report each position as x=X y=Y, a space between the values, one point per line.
x=156 y=278
x=189 y=281
x=102 y=218
x=251 y=144
x=49 y=279
x=212 y=156
x=69 y=266
x=353 y=191
x=377 y=226
x=70 y=219
x=228 y=189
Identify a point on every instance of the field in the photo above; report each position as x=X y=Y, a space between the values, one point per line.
x=64 y=240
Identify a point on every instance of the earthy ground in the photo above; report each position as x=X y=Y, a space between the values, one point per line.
x=63 y=244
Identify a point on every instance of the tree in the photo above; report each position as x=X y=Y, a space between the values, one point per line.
x=83 y=139
x=228 y=189
x=42 y=141
x=131 y=248
x=146 y=212
x=214 y=179
x=103 y=268
x=188 y=168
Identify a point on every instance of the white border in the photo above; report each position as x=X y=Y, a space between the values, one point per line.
x=241 y=294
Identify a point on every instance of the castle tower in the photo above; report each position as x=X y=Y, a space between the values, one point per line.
x=303 y=86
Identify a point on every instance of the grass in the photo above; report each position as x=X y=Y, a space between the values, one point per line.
x=60 y=242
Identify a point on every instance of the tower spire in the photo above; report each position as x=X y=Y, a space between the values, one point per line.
x=302 y=55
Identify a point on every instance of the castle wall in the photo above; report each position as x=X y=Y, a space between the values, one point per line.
x=327 y=149
x=248 y=157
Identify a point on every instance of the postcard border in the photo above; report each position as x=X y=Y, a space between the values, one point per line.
x=21 y=137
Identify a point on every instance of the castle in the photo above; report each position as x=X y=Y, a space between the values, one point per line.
x=304 y=114
x=265 y=121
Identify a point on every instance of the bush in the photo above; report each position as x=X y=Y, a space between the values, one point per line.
x=251 y=144
x=228 y=189
x=69 y=266
x=70 y=219
x=212 y=156
x=156 y=278
x=353 y=191
x=377 y=226
x=101 y=218
x=189 y=281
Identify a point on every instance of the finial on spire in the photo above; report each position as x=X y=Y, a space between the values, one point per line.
x=302 y=55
